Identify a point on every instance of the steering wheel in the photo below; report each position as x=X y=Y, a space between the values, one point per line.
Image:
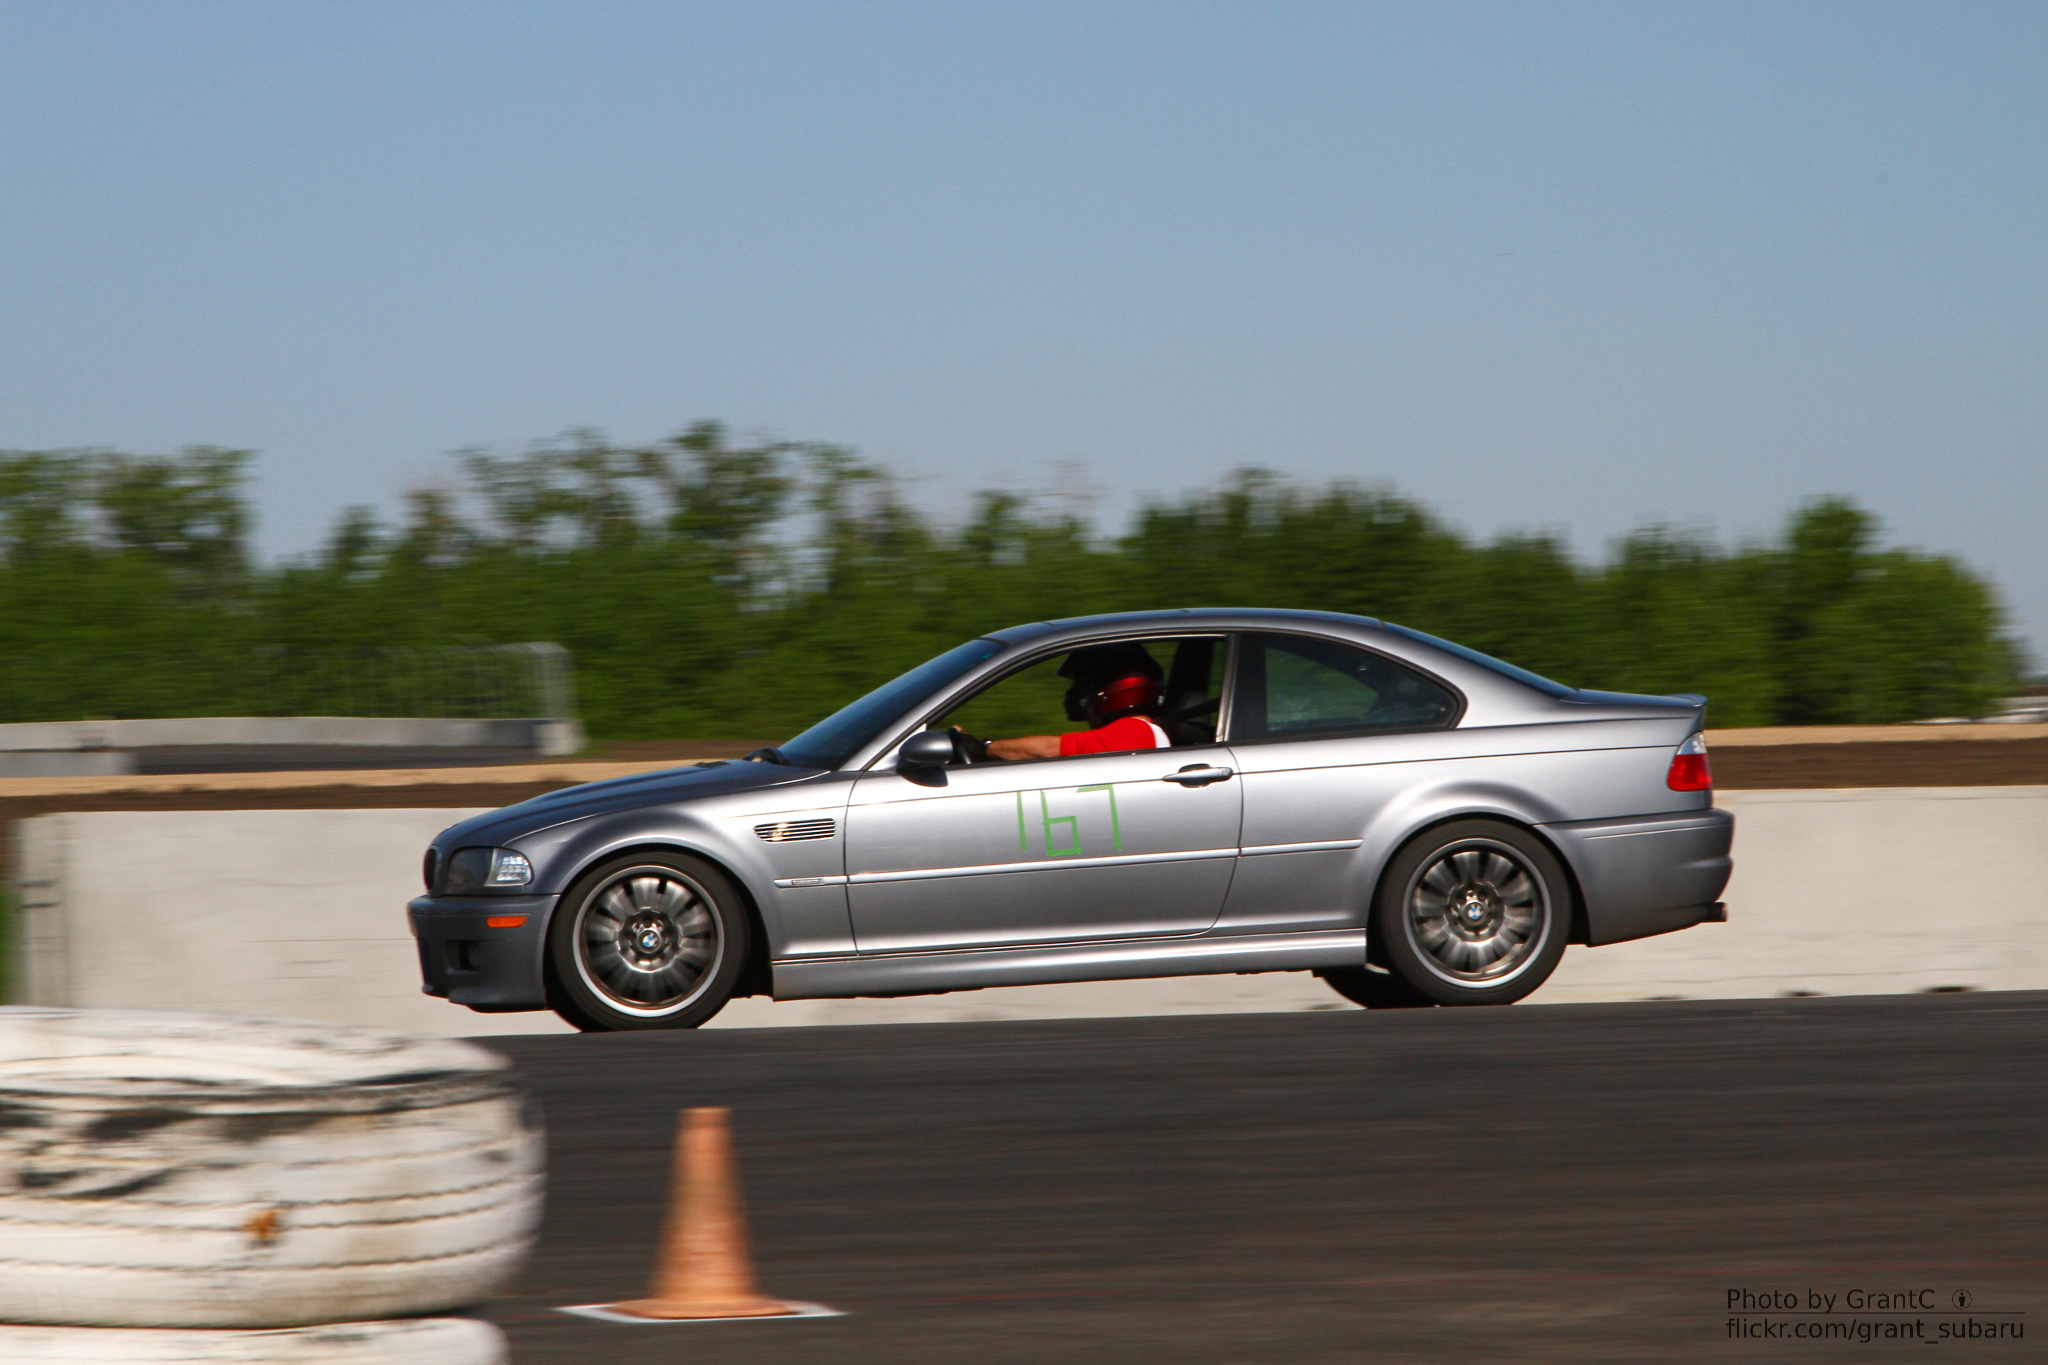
x=970 y=749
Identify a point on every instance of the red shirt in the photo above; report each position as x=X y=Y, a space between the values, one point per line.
x=1132 y=732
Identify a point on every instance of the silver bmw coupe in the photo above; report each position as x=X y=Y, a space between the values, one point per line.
x=1157 y=793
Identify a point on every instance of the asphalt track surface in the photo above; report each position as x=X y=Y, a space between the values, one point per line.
x=1557 y=1183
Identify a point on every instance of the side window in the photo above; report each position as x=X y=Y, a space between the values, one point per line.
x=1027 y=702
x=1191 y=697
x=1295 y=687
x=1041 y=699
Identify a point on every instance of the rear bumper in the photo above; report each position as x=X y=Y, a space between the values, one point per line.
x=1649 y=875
x=465 y=959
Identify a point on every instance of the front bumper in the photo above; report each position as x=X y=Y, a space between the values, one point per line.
x=465 y=959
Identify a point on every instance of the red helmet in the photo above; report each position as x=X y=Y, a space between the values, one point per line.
x=1110 y=679
x=1132 y=691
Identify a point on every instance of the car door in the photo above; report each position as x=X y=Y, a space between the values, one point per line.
x=1324 y=734
x=1097 y=846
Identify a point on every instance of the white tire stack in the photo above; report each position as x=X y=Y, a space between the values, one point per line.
x=420 y=1341
x=229 y=1177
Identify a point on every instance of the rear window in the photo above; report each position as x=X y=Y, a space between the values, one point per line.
x=1297 y=687
x=1473 y=656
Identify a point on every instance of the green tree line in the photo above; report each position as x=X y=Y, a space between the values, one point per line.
x=714 y=588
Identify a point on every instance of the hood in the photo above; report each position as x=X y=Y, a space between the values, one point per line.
x=502 y=826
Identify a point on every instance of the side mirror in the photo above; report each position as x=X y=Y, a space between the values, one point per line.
x=926 y=749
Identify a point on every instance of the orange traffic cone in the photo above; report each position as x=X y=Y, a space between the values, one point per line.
x=703 y=1270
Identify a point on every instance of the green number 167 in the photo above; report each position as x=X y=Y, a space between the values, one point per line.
x=1047 y=820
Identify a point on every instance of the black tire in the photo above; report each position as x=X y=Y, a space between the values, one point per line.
x=646 y=941
x=1475 y=912
x=559 y=1001
x=1376 y=988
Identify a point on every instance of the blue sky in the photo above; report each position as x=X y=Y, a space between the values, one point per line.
x=1569 y=266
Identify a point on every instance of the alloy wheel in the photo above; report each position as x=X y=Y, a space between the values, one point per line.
x=1477 y=913
x=649 y=942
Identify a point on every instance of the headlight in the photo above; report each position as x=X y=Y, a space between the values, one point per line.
x=487 y=869
x=511 y=869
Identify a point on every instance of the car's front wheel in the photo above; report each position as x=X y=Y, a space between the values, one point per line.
x=1475 y=912
x=646 y=941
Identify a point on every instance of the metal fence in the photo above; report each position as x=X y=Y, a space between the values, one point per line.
x=484 y=682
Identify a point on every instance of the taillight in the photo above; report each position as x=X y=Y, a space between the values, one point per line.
x=1689 y=771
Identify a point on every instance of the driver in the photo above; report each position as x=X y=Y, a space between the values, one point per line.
x=1117 y=689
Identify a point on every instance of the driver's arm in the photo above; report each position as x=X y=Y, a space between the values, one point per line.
x=1030 y=746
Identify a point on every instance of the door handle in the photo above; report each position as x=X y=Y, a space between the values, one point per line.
x=1198 y=775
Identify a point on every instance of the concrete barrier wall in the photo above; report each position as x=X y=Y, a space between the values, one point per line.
x=1856 y=891
x=302 y=913
x=298 y=913
x=401 y=732
x=66 y=763
x=92 y=748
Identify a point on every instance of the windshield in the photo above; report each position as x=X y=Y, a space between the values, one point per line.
x=842 y=734
x=1473 y=656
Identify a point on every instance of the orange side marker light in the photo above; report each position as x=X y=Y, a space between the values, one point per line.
x=505 y=921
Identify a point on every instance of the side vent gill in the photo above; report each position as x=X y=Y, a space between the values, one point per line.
x=789 y=831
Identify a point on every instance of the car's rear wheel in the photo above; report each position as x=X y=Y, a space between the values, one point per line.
x=1473 y=913
x=647 y=941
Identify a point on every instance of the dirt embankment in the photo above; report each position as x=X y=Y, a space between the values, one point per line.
x=1880 y=756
